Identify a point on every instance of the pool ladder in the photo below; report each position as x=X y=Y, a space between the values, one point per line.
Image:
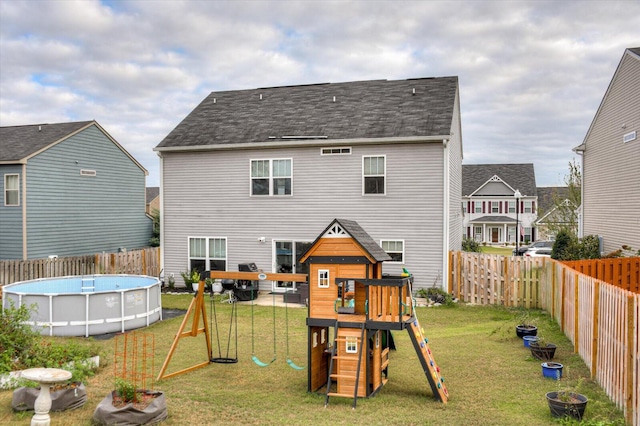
x=91 y=287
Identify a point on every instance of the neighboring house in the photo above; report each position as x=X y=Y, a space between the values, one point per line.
x=611 y=161
x=555 y=210
x=69 y=189
x=490 y=206
x=153 y=199
x=255 y=175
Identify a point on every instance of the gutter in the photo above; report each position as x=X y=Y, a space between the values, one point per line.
x=303 y=142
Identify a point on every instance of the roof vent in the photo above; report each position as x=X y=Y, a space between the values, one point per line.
x=334 y=99
x=414 y=91
x=39 y=128
x=260 y=96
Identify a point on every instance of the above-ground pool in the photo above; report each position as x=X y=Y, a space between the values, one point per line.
x=88 y=305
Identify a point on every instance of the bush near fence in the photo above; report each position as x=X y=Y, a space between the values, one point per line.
x=602 y=320
x=137 y=262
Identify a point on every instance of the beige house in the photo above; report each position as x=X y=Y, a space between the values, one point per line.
x=611 y=161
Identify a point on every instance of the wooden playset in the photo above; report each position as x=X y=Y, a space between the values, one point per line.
x=349 y=295
x=352 y=309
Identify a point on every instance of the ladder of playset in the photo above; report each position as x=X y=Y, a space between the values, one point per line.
x=431 y=369
x=339 y=376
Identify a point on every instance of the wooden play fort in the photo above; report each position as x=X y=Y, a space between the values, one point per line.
x=353 y=308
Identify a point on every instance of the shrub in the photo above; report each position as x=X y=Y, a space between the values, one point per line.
x=22 y=347
x=565 y=247
x=590 y=247
x=470 y=245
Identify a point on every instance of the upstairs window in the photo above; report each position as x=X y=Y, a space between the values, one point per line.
x=528 y=207
x=351 y=345
x=395 y=249
x=478 y=206
x=342 y=150
x=12 y=190
x=373 y=175
x=271 y=177
x=512 y=206
x=495 y=207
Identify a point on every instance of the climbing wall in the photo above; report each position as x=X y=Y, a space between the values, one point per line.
x=429 y=365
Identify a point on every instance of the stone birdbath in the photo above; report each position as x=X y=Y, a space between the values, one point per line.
x=45 y=377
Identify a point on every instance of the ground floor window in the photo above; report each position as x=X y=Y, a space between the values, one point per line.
x=395 y=249
x=477 y=233
x=208 y=253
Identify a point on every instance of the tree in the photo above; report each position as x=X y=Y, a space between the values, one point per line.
x=154 y=241
x=564 y=208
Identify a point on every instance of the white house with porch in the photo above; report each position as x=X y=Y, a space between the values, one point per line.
x=496 y=198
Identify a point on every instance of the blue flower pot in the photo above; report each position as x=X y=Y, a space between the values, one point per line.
x=529 y=339
x=552 y=370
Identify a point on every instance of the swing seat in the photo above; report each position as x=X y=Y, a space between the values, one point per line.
x=260 y=363
x=293 y=365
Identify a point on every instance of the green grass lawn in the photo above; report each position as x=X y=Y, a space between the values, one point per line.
x=492 y=379
x=504 y=251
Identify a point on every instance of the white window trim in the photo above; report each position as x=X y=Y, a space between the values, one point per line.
x=528 y=206
x=6 y=176
x=351 y=345
x=270 y=177
x=208 y=256
x=511 y=207
x=496 y=205
x=384 y=175
x=321 y=279
x=403 y=250
x=335 y=150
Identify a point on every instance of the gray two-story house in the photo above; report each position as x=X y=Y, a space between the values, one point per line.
x=255 y=175
x=69 y=189
x=611 y=161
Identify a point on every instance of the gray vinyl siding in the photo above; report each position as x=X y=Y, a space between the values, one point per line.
x=10 y=219
x=611 y=203
x=455 y=182
x=69 y=214
x=206 y=194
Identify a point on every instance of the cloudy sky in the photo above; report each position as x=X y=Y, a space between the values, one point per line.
x=532 y=73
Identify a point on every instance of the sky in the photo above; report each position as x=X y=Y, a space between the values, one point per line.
x=531 y=73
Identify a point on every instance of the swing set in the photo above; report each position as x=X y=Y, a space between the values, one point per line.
x=197 y=307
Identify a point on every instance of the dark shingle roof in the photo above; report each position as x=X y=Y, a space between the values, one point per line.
x=364 y=109
x=359 y=235
x=546 y=196
x=19 y=142
x=518 y=176
x=151 y=193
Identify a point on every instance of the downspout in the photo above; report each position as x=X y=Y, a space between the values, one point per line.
x=25 y=251
x=161 y=205
x=445 y=215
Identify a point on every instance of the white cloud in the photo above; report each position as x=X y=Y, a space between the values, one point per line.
x=532 y=74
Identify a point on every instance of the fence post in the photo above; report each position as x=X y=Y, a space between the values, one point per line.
x=596 y=323
x=576 y=317
x=632 y=334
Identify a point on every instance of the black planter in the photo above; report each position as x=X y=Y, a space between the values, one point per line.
x=526 y=330
x=543 y=353
x=574 y=405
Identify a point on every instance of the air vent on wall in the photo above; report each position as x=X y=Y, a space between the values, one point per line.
x=631 y=136
x=85 y=172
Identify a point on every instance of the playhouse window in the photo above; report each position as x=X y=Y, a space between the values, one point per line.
x=323 y=278
x=208 y=253
x=315 y=339
x=323 y=336
x=373 y=175
x=395 y=249
x=271 y=177
x=351 y=345
x=12 y=190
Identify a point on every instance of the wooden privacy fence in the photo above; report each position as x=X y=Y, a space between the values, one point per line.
x=602 y=320
x=494 y=279
x=622 y=272
x=137 y=262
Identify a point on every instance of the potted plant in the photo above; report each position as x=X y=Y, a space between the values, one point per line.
x=567 y=404
x=128 y=405
x=552 y=370
x=542 y=350
x=191 y=279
